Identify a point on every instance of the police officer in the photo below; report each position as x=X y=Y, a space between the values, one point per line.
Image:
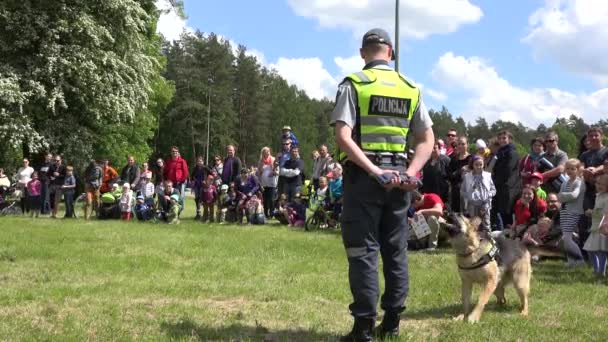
x=375 y=110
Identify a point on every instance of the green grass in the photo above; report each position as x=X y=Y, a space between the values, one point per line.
x=75 y=280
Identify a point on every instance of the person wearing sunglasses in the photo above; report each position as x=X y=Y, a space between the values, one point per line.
x=552 y=164
x=451 y=142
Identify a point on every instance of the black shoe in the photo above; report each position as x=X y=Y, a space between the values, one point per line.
x=197 y=217
x=362 y=331
x=389 y=328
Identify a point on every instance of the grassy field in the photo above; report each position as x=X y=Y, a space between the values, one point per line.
x=75 y=280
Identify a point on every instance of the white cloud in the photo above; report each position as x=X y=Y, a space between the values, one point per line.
x=307 y=74
x=493 y=97
x=349 y=65
x=435 y=94
x=573 y=33
x=419 y=18
x=170 y=25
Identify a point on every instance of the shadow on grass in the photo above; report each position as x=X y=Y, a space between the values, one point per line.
x=186 y=328
x=447 y=311
x=555 y=272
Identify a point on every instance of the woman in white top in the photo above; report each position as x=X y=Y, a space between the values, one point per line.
x=24 y=176
x=269 y=178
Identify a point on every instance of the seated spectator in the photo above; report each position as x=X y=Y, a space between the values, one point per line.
x=255 y=210
x=164 y=200
x=528 y=209
x=172 y=216
x=247 y=186
x=280 y=212
x=542 y=234
x=143 y=211
x=232 y=203
x=431 y=207
x=296 y=212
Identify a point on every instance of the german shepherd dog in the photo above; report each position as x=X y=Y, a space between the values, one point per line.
x=493 y=263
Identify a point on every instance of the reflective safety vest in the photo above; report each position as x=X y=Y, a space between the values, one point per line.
x=386 y=102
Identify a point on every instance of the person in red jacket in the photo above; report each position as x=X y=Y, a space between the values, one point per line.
x=176 y=170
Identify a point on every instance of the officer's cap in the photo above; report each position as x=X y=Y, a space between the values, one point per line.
x=377 y=36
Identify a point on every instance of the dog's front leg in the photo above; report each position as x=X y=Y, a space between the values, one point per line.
x=466 y=292
x=484 y=297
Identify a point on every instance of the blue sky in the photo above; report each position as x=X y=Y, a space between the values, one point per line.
x=520 y=60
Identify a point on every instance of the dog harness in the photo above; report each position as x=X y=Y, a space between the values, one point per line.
x=488 y=257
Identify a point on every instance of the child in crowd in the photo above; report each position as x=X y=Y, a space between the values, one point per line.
x=538 y=234
x=222 y=203
x=280 y=212
x=232 y=203
x=322 y=193
x=477 y=191
x=335 y=191
x=143 y=210
x=296 y=212
x=126 y=202
x=174 y=209
x=536 y=181
x=255 y=210
x=146 y=189
x=34 y=187
x=68 y=189
x=208 y=197
x=528 y=209
x=571 y=195
x=597 y=242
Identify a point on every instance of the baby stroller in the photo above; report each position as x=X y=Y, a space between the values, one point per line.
x=109 y=208
x=9 y=201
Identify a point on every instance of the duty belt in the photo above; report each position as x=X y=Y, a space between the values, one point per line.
x=387 y=158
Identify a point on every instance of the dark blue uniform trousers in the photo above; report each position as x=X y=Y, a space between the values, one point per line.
x=374 y=220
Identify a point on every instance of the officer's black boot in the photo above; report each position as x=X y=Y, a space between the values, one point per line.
x=362 y=331
x=389 y=327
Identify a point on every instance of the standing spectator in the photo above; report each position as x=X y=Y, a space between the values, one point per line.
x=552 y=164
x=199 y=175
x=218 y=169
x=57 y=172
x=283 y=157
x=477 y=191
x=68 y=189
x=93 y=177
x=490 y=160
x=130 y=173
x=459 y=164
x=176 y=170
x=288 y=134
x=320 y=166
x=435 y=174
x=110 y=176
x=529 y=164
x=34 y=188
x=268 y=176
x=506 y=179
x=572 y=196
x=145 y=171
x=45 y=180
x=451 y=142
x=159 y=172
x=24 y=176
x=208 y=198
x=592 y=159
x=232 y=166
x=293 y=171
x=597 y=243
x=126 y=202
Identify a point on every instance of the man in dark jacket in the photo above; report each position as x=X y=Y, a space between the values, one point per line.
x=293 y=171
x=506 y=179
x=45 y=179
x=130 y=173
x=232 y=166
